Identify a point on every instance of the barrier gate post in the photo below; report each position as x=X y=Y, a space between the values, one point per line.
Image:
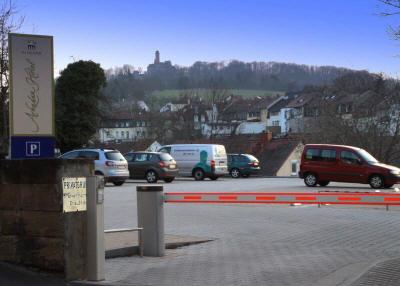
x=150 y=207
x=95 y=228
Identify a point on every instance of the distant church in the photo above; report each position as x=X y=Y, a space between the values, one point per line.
x=159 y=67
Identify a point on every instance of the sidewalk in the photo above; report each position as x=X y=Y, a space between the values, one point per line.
x=12 y=275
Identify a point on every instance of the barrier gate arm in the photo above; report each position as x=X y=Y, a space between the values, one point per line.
x=338 y=198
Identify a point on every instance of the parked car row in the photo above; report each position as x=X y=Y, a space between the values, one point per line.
x=199 y=161
x=320 y=164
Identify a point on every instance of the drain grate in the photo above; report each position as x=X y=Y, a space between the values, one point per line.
x=386 y=273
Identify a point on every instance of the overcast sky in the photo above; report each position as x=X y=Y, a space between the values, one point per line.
x=346 y=33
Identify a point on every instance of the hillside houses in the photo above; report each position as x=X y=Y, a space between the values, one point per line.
x=293 y=113
x=124 y=126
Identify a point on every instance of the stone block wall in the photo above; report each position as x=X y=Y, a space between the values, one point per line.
x=34 y=231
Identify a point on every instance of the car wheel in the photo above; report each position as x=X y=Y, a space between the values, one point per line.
x=323 y=183
x=376 y=182
x=310 y=180
x=213 y=178
x=198 y=174
x=168 y=180
x=235 y=173
x=388 y=186
x=151 y=176
x=119 y=183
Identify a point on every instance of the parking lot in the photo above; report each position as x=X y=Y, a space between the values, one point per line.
x=257 y=244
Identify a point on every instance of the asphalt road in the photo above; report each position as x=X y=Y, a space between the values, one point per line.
x=257 y=244
x=120 y=202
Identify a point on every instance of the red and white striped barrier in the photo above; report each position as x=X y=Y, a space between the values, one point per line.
x=338 y=198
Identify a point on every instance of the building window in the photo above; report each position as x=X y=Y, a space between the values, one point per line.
x=116 y=134
x=127 y=124
x=127 y=134
x=122 y=134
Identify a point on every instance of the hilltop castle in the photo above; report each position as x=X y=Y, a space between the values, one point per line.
x=159 y=67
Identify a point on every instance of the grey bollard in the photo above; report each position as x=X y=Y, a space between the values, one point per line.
x=95 y=228
x=150 y=207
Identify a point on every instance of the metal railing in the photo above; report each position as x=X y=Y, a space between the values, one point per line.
x=140 y=235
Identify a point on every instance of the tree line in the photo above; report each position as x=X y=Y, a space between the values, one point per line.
x=126 y=82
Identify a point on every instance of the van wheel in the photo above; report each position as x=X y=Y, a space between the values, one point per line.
x=151 y=176
x=376 y=182
x=119 y=183
x=198 y=174
x=235 y=173
x=323 y=183
x=310 y=180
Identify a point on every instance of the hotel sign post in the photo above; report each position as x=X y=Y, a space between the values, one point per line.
x=32 y=127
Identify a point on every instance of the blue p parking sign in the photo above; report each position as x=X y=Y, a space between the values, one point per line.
x=32 y=147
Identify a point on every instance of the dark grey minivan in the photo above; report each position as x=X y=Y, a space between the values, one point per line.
x=151 y=166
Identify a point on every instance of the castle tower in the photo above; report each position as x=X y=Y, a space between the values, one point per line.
x=157 y=58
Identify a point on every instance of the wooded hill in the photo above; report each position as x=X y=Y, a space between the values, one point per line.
x=127 y=83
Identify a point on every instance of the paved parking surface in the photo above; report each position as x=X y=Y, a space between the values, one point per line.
x=257 y=245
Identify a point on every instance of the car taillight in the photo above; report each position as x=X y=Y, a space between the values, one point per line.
x=110 y=164
x=161 y=164
x=212 y=164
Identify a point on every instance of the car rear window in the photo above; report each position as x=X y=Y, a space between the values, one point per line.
x=114 y=156
x=327 y=155
x=70 y=155
x=166 y=157
x=89 y=155
x=312 y=154
x=252 y=158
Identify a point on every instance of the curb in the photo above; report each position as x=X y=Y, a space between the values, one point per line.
x=134 y=250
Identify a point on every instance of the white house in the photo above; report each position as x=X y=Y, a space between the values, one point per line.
x=124 y=126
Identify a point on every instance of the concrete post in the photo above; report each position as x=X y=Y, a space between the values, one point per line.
x=150 y=206
x=95 y=228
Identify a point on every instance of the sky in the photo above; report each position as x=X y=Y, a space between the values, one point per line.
x=345 y=33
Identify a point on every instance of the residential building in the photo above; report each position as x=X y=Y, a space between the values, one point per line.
x=123 y=126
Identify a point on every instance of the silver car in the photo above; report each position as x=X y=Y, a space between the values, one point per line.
x=108 y=163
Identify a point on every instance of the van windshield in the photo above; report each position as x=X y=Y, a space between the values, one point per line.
x=366 y=156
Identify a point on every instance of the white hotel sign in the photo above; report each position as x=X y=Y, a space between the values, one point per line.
x=32 y=82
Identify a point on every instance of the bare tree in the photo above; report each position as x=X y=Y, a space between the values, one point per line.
x=217 y=98
x=9 y=22
x=369 y=120
x=392 y=9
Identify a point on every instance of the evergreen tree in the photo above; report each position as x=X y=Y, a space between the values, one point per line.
x=77 y=103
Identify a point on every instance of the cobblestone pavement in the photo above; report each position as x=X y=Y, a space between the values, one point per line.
x=257 y=245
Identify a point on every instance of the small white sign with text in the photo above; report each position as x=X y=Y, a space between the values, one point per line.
x=74 y=194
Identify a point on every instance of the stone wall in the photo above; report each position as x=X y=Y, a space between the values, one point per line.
x=34 y=231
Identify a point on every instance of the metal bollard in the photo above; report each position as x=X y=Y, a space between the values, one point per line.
x=95 y=228
x=150 y=207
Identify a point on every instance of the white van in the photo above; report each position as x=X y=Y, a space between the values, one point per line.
x=199 y=160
